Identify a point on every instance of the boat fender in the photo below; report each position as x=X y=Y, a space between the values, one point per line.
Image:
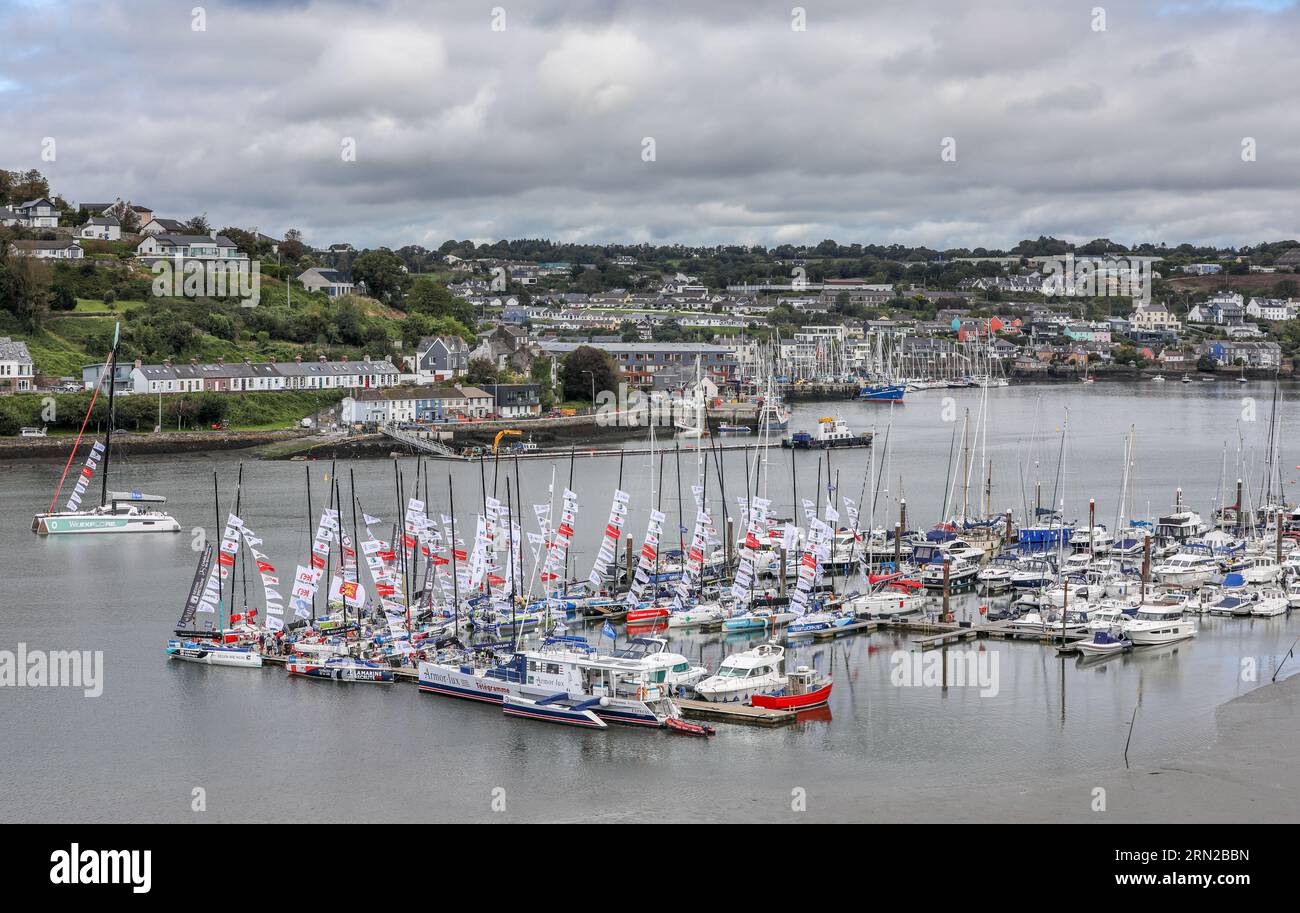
x=604 y=702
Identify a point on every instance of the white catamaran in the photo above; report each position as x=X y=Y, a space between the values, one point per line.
x=118 y=511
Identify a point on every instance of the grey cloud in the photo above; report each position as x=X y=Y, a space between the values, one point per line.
x=763 y=135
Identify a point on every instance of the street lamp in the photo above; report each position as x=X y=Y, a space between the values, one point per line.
x=593 y=389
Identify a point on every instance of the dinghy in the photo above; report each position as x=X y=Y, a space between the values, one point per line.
x=1103 y=643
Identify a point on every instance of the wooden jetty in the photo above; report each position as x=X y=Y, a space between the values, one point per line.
x=944 y=634
x=735 y=712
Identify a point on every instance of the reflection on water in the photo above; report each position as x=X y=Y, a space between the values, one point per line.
x=264 y=745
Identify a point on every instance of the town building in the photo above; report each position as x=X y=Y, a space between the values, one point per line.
x=17 y=372
x=515 y=400
x=439 y=358
x=640 y=361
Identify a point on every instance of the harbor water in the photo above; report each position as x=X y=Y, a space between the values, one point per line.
x=260 y=745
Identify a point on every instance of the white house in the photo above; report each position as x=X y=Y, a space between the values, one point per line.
x=9 y=218
x=214 y=250
x=330 y=281
x=48 y=250
x=1270 y=309
x=101 y=228
x=38 y=213
x=17 y=373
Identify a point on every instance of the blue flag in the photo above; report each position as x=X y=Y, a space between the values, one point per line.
x=608 y=631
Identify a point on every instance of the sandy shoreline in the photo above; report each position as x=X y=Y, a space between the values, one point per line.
x=1248 y=774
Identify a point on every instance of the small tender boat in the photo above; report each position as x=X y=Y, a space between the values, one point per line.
x=342 y=669
x=1103 y=643
x=557 y=708
x=805 y=689
x=677 y=724
x=192 y=651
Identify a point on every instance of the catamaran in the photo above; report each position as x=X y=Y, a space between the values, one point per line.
x=118 y=511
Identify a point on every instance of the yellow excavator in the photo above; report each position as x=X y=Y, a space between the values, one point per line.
x=509 y=432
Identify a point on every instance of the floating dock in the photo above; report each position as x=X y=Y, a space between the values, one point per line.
x=735 y=712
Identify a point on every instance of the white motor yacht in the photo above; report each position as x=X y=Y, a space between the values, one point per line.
x=742 y=675
x=1159 y=624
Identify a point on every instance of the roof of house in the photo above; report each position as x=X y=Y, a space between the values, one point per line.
x=13 y=350
x=331 y=276
x=45 y=245
x=102 y=220
x=177 y=240
x=172 y=225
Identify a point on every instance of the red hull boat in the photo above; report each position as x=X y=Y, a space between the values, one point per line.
x=648 y=615
x=804 y=690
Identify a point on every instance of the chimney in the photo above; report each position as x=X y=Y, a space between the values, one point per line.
x=194 y=361
x=322 y=358
x=345 y=359
x=137 y=362
x=297 y=359
x=221 y=360
x=167 y=362
x=214 y=234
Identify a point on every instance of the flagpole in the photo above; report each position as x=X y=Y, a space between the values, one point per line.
x=455 y=584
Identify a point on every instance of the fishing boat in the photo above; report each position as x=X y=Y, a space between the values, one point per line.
x=1103 y=643
x=831 y=432
x=882 y=393
x=214 y=654
x=773 y=415
x=342 y=669
x=805 y=689
x=555 y=708
x=742 y=675
x=1159 y=624
x=117 y=511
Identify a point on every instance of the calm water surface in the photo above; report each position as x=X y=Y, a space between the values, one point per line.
x=264 y=746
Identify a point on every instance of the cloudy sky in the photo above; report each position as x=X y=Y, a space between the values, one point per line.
x=761 y=133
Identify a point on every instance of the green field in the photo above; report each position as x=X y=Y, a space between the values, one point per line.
x=185 y=412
